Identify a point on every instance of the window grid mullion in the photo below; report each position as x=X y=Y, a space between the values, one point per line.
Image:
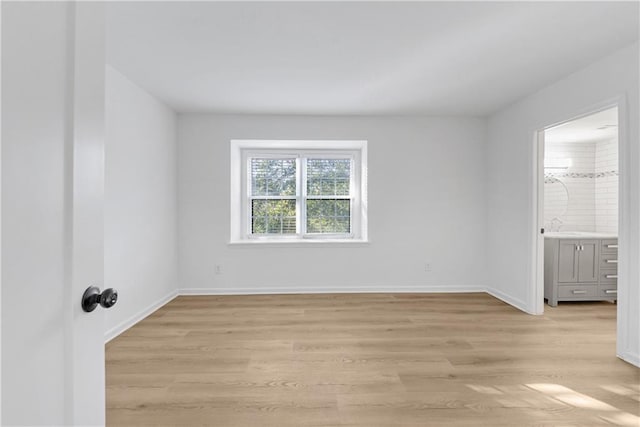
x=272 y=197
x=352 y=190
x=341 y=197
x=266 y=197
x=301 y=195
x=249 y=187
x=302 y=204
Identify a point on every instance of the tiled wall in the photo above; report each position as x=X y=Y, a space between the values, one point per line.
x=607 y=186
x=579 y=213
x=592 y=186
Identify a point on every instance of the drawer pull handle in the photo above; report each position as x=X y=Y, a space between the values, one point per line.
x=611 y=291
x=611 y=276
x=611 y=261
x=611 y=246
x=579 y=292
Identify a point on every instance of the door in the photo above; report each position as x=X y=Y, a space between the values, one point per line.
x=88 y=368
x=52 y=194
x=568 y=261
x=588 y=261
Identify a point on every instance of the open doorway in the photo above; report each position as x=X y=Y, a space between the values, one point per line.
x=578 y=193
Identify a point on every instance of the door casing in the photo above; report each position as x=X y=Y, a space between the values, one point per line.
x=536 y=289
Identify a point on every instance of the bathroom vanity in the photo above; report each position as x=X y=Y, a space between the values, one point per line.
x=580 y=266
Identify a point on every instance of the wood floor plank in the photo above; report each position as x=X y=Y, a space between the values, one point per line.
x=370 y=360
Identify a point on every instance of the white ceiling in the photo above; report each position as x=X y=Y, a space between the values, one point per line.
x=595 y=127
x=457 y=58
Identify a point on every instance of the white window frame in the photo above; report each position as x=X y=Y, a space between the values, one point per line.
x=240 y=215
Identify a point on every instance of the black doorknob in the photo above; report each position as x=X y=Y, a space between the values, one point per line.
x=92 y=297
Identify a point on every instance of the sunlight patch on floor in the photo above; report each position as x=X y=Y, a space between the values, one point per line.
x=571 y=397
x=622 y=419
x=484 y=389
x=579 y=400
x=622 y=391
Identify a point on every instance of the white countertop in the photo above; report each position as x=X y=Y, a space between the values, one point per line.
x=578 y=235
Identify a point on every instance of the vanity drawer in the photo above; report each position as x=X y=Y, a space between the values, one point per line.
x=609 y=260
x=578 y=291
x=609 y=246
x=608 y=291
x=609 y=276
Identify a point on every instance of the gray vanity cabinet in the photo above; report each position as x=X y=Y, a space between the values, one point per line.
x=580 y=269
x=567 y=261
x=577 y=261
x=588 y=259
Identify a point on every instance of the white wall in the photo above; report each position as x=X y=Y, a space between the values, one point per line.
x=140 y=201
x=510 y=161
x=426 y=204
x=35 y=54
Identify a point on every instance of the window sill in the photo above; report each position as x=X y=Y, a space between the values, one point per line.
x=300 y=243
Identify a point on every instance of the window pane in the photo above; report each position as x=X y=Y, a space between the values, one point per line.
x=273 y=216
x=273 y=177
x=328 y=177
x=329 y=216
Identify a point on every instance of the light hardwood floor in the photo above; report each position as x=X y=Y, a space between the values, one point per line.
x=370 y=360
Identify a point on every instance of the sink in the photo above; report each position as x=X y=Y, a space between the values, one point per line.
x=585 y=234
x=565 y=233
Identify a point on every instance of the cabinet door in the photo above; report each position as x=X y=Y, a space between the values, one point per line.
x=568 y=261
x=588 y=261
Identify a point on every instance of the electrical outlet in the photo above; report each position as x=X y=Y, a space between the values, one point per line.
x=217 y=269
x=427 y=267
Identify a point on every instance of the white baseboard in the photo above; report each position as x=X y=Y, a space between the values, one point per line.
x=330 y=290
x=520 y=305
x=632 y=358
x=123 y=326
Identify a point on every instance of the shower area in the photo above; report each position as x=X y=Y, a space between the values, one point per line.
x=581 y=175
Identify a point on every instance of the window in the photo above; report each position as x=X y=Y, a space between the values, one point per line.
x=284 y=191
